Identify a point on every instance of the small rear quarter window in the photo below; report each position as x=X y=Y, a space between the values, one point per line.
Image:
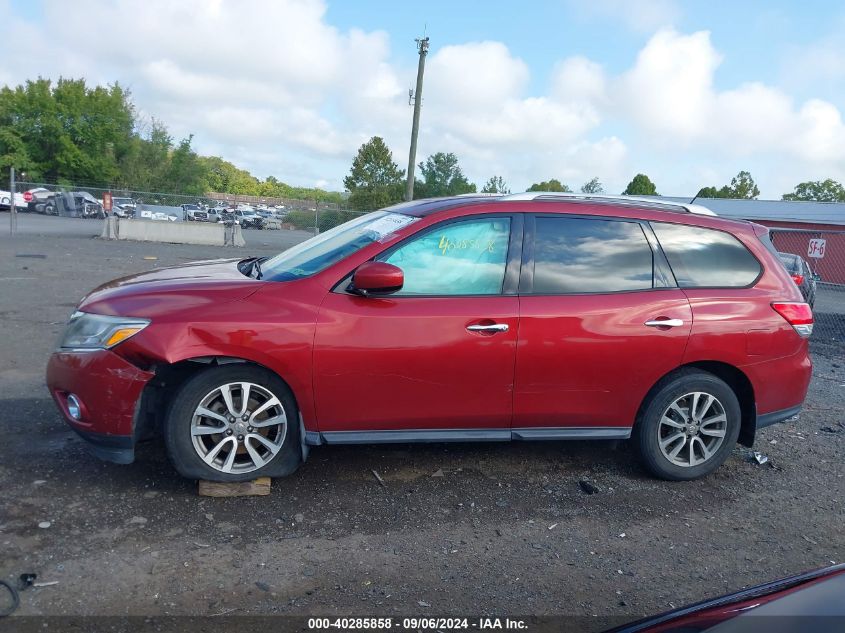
x=706 y=258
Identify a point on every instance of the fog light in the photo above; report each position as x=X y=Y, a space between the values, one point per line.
x=74 y=408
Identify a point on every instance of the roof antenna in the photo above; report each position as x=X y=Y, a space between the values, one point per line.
x=694 y=198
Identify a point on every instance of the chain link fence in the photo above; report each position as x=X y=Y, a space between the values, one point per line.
x=87 y=202
x=824 y=253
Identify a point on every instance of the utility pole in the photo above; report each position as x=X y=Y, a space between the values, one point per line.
x=415 y=97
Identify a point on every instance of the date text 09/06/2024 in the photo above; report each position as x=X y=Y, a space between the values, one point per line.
x=417 y=623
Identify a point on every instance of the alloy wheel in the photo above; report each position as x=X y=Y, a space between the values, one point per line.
x=692 y=429
x=238 y=427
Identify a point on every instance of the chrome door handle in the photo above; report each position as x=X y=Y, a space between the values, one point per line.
x=496 y=327
x=664 y=323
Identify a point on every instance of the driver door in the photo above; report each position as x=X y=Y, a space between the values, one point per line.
x=434 y=360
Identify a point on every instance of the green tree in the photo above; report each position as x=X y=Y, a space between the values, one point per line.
x=441 y=176
x=550 y=185
x=712 y=192
x=641 y=185
x=592 y=186
x=818 y=191
x=496 y=184
x=374 y=180
x=13 y=152
x=185 y=173
x=145 y=165
x=742 y=187
x=68 y=131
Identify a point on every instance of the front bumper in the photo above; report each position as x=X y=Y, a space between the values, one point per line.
x=108 y=389
x=118 y=449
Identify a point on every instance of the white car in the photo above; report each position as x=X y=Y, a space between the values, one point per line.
x=6 y=197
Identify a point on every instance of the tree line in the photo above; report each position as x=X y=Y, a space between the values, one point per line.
x=69 y=133
x=375 y=180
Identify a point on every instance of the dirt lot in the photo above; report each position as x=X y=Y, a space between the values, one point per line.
x=505 y=530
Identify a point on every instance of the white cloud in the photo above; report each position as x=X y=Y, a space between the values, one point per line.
x=669 y=95
x=476 y=105
x=668 y=88
x=275 y=88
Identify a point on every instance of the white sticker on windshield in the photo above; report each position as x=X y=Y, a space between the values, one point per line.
x=389 y=224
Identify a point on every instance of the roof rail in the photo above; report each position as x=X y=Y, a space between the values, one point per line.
x=649 y=203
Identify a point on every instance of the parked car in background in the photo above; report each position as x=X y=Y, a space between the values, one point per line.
x=6 y=201
x=124 y=207
x=249 y=219
x=194 y=213
x=228 y=217
x=41 y=200
x=802 y=275
x=78 y=204
x=635 y=319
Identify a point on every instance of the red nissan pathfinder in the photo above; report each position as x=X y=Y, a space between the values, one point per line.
x=515 y=317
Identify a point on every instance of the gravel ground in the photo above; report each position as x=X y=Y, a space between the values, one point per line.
x=457 y=529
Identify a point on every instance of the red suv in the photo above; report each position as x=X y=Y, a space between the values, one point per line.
x=520 y=317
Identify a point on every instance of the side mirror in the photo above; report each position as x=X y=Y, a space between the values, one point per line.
x=817 y=277
x=377 y=278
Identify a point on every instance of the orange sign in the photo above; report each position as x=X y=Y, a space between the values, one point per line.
x=107 y=201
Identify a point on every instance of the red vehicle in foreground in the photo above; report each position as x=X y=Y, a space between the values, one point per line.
x=520 y=317
x=811 y=601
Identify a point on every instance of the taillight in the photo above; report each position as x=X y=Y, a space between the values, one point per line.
x=798 y=315
x=798 y=279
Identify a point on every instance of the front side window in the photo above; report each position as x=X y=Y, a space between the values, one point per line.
x=706 y=258
x=457 y=258
x=321 y=251
x=585 y=255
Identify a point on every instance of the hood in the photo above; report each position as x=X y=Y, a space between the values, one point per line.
x=171 y=290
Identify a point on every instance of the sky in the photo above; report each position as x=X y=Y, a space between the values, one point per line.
x=689 y=93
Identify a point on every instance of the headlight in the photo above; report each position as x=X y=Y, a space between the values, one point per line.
x=97 y=331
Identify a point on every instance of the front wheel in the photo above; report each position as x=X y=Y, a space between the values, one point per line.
x=233 y=423
x=688 y=427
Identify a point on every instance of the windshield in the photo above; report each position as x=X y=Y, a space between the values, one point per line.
x=326 y=249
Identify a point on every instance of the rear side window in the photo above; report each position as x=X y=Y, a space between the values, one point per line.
x=576 y=255
x=706 y=258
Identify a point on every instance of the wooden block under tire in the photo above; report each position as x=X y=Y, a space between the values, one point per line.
x=255 y=488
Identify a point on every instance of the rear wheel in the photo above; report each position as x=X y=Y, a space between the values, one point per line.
x=233 y=423
x=689 y=426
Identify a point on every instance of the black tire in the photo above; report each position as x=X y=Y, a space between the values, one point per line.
x=178 y=424
x=648 y=429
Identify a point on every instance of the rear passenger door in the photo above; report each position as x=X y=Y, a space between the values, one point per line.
x=601 y=320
